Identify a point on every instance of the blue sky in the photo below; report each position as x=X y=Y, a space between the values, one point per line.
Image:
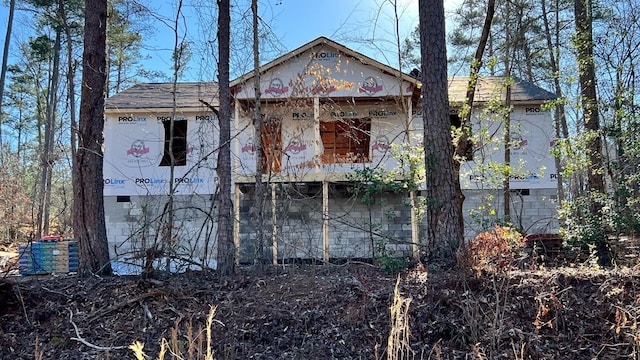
x=366 y=26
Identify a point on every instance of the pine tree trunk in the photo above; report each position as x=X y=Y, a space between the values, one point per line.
x=71 y=75
x=5 y=59
x=49 y=137
x=562 y=130
x=257 y=123
x=226 y=248
x=587 y=79
x=88 y=216
x=444 y=220
x=510 y=42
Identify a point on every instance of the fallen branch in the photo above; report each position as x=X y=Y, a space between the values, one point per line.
x=24 y=308
x=79 y=338
x=123 y=304
x=55 y=292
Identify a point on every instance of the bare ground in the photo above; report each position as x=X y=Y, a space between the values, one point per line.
x=326 y=312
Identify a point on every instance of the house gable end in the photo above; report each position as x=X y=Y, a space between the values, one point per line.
x=324 y=68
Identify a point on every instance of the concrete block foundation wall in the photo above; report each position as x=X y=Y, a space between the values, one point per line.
x=533 y=210
x=353 y=226
x=135 y=224
x=355 y=229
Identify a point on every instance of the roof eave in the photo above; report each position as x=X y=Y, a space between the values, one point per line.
x=147 y=110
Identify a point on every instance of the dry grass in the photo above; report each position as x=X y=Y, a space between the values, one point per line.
x=399 y=340
x=191 y=348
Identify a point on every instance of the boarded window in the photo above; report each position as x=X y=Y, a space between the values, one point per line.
x=271 y=132
x=345 y=140
x=179 y=145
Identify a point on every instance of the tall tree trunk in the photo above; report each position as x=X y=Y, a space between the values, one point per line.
x=38 y=191
x=226 y=248
x=5 y=59
x=47 y=157
x=71 y=75
x=587 y=79
x=444 y=228
x=506 y=185
x=562 y=130
x=464 y=147
x=19 y=141
x=88 y=216
x=521 y=39
x=169 y=243
x=257 y=123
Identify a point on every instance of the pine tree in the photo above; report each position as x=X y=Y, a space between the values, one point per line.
x=88 y=216
x=444 y=226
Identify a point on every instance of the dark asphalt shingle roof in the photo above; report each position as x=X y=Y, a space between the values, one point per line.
x=492 y=88
x=160 y=96
x=192 y=94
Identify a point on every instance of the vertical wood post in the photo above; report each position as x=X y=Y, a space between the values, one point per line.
x=415 y=238
x=414 y=226
x=274 y=225
x=316 y=130
x=234 y=170
x=325 y=221
x=236 y=222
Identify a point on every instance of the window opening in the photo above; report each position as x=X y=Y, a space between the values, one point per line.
x=455 y=120
x=179 y=147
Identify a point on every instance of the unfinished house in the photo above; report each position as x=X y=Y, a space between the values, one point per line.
x=340 y=164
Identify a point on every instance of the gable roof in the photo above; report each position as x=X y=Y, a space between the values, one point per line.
x=365 y=60
x=492 y=88
x=196 y=95
x=160 y=96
